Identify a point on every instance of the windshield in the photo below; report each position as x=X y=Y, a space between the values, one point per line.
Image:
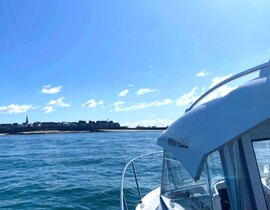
x=262 y=153
x=209 y=192
x=178 y=186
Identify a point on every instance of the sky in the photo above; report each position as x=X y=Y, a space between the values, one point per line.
x=134 y=62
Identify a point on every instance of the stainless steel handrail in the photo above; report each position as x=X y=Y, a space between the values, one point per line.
x=122 y=197
x=241 y=74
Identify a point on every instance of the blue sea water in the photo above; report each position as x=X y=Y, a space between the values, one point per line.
x=74 y=171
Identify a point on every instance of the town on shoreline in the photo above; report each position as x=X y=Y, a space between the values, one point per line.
x=67 y=127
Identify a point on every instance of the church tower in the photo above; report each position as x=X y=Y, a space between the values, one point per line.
x=26 y=120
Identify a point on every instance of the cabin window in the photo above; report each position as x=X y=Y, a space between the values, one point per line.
x=215 y=167
x=235 y=172
x=262 y=153
x=217 y=182
x=180 y=188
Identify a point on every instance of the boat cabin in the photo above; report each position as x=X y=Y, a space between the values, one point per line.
x=217 y=155
x=234 y=176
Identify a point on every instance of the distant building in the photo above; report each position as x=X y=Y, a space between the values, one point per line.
x=37 y=124
x=26 y=123
x=102 y=124
x=92 y=124
x=48 y=125
x=82 y=122
x=107 y=125
x=113 y=125
x=81 y=125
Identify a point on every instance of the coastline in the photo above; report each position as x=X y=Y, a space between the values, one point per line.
x=81 y=131
x=129 y=130
x=50 y=132
x=43 y=132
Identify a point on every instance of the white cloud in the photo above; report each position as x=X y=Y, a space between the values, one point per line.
x=143 y=91
x=188 y=98
x=90 y=103
x=119 y=105
x=219 y=79
x=131 y=85
x=149 y=122
x=123 y=93
x=194 y=94
x=14 y=108
x=47 y=89
x=47 y=109
x=54 y=103
x=203 y=73
x=221 y=91
x=164 y=102
x=58 y=102
x=93 y=103
x=101 y=102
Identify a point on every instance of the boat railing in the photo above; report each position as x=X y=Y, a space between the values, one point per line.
x=123 y=201
x=234 y=77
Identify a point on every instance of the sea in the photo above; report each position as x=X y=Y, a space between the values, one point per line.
x=76 y=170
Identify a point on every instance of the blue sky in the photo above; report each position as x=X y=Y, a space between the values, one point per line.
x=135 y=62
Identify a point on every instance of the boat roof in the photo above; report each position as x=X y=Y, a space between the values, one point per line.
x=209 y=126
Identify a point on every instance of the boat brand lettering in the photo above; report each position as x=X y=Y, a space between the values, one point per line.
x=181 y=143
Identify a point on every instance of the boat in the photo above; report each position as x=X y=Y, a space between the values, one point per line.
x=217 y=155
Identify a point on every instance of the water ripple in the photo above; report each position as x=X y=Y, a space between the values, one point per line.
x=69 y=171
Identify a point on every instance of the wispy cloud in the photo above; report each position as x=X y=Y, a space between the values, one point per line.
x=150 y=67
x=47 y=89
x=149 y=122
x=119 y=105
x=222 y=91
x=131 y=85
x=58 y=102
x=203 y=73
x=101 y=102
x=219 y=79
x=15 y=108
x=90 y=103
x=93 y=103
x=143 y=91
x=49 y=107
x=123 y=93
x=164 y=102
x=188 y=98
